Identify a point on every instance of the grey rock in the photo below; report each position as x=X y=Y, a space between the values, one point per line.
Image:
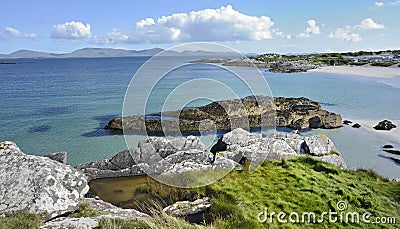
x=112 y=211
x=96 y=173
x=121 y=160
x=71 y=223
x=320 y=145
x=184 y=208
x=333 y=159
x=59 y=156
x=39 y=185
x=10 y=148
x=385 y=125
x=253 y=147
x=109 y=210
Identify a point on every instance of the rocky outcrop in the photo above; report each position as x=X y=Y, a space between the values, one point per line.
x=157 y=156
x=356 y=125
x=385 y=125
x=164 y=157
x=295 y=113
x=104 y=209
x=303 y=113
x=253 y=146
x=38 y=184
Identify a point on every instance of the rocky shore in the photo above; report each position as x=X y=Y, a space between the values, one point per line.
x=52 y=189
x=294 y=113
x=159 y=156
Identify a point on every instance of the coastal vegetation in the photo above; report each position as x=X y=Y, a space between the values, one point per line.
x=295 y=185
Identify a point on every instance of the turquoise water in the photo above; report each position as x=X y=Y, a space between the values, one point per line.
x=51 y=105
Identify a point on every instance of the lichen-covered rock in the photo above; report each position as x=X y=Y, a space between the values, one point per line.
x=67 y=222
x=320 y=145
x=333 y=159
x=254 y=147
x=10 y=148
x=38 y=184
x=105 y=210
x=121 y=160
x=183 y=208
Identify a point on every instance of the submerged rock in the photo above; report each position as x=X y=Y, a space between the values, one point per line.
x=356 y=125
x=347 y=122
x=38 y=184
x=385 y=125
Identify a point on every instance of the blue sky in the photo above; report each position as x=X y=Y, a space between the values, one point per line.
x=285 y=26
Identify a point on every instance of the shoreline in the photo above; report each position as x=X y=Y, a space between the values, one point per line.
x=365 y=71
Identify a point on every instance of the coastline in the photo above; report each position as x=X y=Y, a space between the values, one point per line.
x=366 y=71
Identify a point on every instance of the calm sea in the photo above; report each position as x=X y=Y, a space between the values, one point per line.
x=51 y=105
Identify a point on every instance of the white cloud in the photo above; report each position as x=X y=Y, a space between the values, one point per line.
x=13 y=32
x=345 y=34
x=368 y=24
x=221 y=24
x=71 y=30
x=311 y=30
x=382 y=4
x=113 y=37
x=379 y=4
x=281 y=34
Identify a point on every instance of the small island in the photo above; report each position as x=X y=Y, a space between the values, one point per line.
x=294 y=113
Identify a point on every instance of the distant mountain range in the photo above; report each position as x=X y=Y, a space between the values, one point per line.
x=106 y=52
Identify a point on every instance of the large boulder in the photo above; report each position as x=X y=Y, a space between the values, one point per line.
x=38 y=184
x=252 y=147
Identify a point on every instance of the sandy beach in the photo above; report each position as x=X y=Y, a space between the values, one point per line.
x=368 y=71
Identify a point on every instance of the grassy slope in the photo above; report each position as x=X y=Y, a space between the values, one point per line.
x=300 y=185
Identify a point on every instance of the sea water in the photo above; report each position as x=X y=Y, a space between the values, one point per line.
x=52 y=105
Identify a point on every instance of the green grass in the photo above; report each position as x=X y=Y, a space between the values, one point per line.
x=297 y=185
x=21 y=220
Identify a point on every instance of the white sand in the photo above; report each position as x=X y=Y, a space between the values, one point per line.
x=392 y=135
x=368 y=71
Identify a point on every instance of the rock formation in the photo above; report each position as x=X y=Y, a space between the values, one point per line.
x=160 y=156
x=385 y=125
x=38 y=184
x=105 y=210
x=249 y=112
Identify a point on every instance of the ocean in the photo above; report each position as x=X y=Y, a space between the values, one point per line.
x=53 y=105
